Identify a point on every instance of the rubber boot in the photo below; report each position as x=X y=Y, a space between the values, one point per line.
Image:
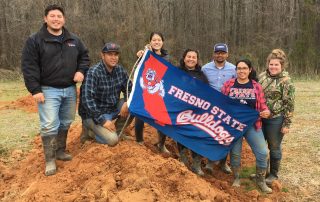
x=86 y=134
x=224 y=166
x=236 y=174
x=61 y=146
x=49 y=147
x=253 y=175
x=261 y=181
x=209 y=166
x=196 y=165
x=161 y=144
x=138 y=130
x=183 y=154
x=274 y=169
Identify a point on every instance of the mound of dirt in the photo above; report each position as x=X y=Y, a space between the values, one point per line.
x=26 y=103
x=126 y=172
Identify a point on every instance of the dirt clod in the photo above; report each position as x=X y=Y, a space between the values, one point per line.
x=276 y=186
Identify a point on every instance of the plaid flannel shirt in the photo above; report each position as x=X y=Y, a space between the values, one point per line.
x=100 y=91
x=260 y=99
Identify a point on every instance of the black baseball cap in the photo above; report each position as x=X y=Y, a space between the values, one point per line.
x=111 y=47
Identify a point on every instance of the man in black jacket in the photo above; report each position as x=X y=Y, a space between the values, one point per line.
x=53 y=61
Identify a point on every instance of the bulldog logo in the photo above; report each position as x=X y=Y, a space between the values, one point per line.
x=150 y=82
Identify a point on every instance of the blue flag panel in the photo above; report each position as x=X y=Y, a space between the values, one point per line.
x=186 y=109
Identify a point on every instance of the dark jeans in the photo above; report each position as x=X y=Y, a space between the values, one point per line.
x=272 y=133
x=138 y=129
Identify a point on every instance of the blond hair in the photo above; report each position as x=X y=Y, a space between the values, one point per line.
x=280 y=55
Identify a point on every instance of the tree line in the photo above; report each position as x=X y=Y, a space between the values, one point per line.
x=250 y=28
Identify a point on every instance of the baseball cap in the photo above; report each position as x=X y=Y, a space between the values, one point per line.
x=220 y=47
x=111 y=47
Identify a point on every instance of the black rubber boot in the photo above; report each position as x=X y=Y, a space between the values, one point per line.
x=274 y=169
x=61 y=146
x=196 y=165
x=161 y=144
x=261 y=181
x=236 y=174
x=49 y=147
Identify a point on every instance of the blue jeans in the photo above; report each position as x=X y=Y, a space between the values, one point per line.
x=58 y=110
x=103 y=135
x=272 y=133
x=258 y=145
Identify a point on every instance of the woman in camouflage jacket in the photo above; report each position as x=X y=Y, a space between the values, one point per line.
x=279 y=93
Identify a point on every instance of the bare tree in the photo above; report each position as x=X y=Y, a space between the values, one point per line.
x=251 y=28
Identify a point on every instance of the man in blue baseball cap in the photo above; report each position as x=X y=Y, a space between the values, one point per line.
x=218 y=71
x=102 y=111
x=220 y=47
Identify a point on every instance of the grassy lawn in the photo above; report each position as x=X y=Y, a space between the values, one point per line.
x=17 y=130
x=17 y=127
x=300 y=169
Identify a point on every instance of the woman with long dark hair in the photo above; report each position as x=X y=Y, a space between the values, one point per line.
x=155 y=45
x=190 y=64
x=248 y=91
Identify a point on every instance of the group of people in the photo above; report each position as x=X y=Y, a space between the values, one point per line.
x=54 y=60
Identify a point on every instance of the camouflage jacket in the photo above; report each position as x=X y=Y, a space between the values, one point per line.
x=279 y=93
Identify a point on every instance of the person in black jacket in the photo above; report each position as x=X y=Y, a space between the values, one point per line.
x=155 y=45
x=53 y=61
x=190 y=64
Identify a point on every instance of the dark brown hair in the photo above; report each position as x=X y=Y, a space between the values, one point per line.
x=53 y=7
x=183 y=65
x=253 y=73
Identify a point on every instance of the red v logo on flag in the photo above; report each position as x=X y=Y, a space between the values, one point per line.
x=153 y=90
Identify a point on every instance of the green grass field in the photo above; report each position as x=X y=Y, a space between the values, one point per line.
x=18 y=127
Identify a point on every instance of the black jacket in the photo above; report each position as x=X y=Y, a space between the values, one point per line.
x=196 y=73
x=50 y=62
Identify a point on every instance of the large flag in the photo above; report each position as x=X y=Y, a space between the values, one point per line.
x=186 y=109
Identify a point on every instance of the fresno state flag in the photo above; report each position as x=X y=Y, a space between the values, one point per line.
x=186 y=109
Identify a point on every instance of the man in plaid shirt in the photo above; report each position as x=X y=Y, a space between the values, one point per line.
x=100 y=102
